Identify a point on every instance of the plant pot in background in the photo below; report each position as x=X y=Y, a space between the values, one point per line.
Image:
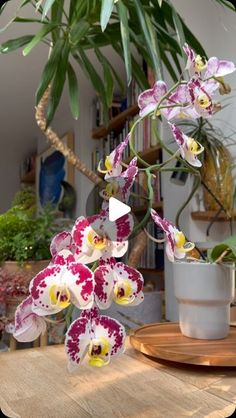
x=204 y=292
x=27 y=271
x=217 y=175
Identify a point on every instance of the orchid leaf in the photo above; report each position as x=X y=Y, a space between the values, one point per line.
x=73 y=91
x=106 y=11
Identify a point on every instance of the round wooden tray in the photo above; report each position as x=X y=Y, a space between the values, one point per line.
x=165 y=341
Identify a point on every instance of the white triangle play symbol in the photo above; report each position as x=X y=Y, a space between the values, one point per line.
x=117 y=209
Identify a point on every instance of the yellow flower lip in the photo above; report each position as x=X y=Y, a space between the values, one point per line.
x=181 y=243
x=200 y=63
x=59 y=296
x=96 y=241
x=203 y=100
x=108 y=165
x=98 y=352
x=194 y=146
x=122 y=292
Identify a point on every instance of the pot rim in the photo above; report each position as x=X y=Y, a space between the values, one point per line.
x=205 y=263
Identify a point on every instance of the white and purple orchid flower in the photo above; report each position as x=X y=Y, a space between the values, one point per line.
x=113 y=166
x=176 y=246
x=94 y=338
x=95 y=237
x=63 y=282
x=28 y=325
x=120 y=187
x=119 y=283
x=189 y=147
x=214 y=67
x=148 y=100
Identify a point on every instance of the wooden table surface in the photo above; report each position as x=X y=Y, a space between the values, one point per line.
x=34 y=383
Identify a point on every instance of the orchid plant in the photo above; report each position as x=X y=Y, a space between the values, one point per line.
x=84 y=271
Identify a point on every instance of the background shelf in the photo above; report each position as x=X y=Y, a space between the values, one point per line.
x=115 y=123
x=209 y=215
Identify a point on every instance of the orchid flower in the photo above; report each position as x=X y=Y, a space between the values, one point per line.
x=113 y=161
x=97 y=338
x=62 y=282
x=214 y=67
x=120 y=187
x=95 y=237
x=200 y=94
x=28 y=325
x=115 y=281
x=148 y=100
x=176 y=246
x=195 y=63
x=182 y=106
x=189 y=148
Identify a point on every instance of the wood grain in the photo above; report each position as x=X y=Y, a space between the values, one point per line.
x=165 y=341
x=35 y=384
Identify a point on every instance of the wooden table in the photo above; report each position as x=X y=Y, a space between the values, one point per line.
x=34 y=383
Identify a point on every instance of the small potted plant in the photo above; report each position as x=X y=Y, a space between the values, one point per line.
x=24 y=246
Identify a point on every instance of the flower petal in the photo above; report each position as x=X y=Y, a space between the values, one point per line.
x=40 y=290
x=129 y=274
x=219 y=68
x=61 y=241
x=112 y=330
x=77 y=340
x=80 y=281
x=159 y=90
x=28 y=326
x=104 y=285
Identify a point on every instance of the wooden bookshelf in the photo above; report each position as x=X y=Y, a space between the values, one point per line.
x=115 y=123
x=29 y=177
x=139 y=210
x=209 y=215
x=149 y=155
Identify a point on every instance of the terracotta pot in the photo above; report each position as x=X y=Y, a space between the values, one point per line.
x=28 y=270
x=217 y=175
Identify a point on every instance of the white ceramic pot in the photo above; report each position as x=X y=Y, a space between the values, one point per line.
x=204 y=292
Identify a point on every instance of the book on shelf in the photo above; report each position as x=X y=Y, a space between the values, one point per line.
x=153 y=255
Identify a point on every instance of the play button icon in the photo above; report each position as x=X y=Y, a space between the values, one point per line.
x=117 y=209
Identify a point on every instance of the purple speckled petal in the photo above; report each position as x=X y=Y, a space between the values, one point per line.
x=61 y=241
x=80 y=282
x=190 y=56
x=159 y=90
x=118 y=151
x=112 y=330
x=219 y=68
x=163 y=223
x=39 y=290
x=146 y=98
x=77 y=340
x=104 y=284
x=125 y=272
x=28 y=325
x=129 y=176
x=179 y=136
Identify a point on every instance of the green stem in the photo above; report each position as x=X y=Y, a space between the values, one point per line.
x=145 y=220
x=68 y=316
